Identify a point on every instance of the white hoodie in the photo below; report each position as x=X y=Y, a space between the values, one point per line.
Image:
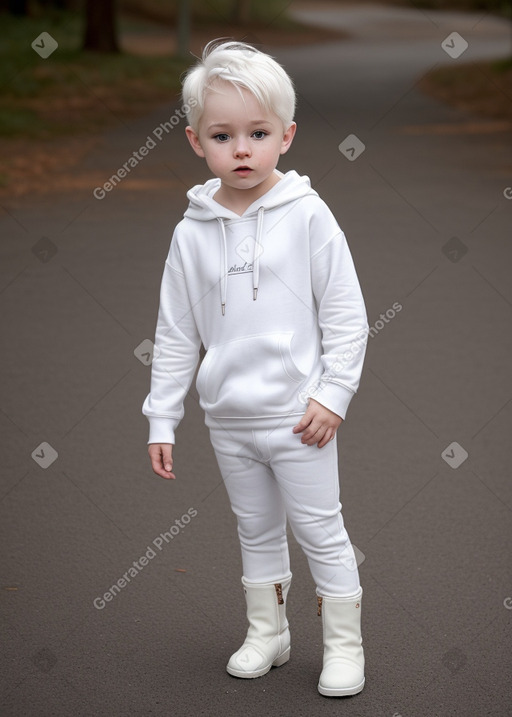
x=274 y=298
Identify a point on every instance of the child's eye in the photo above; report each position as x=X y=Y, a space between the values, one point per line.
x=259 y=134
x=222 y=137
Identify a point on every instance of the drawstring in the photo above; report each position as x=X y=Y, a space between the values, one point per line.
x=224 y=268
x=255 y=260
x=256 y=256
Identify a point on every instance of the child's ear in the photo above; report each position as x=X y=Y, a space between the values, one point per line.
x=194 y=141
x=288 y=138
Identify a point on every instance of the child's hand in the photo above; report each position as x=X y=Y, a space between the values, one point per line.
x=318 y=424
x=161 y=459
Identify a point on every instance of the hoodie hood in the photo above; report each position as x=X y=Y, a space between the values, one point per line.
x=203 y=207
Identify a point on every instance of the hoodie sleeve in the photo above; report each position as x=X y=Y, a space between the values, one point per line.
x=176 y=353
x=342 y=321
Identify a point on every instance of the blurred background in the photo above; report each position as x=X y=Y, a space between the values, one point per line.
x=121 y=57
x=404 y=129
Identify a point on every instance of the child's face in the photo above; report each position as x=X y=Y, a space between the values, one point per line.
x=240 y=140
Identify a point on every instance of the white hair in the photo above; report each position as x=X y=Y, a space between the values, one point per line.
x=244 y=66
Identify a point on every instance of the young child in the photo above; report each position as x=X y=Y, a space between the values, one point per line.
x=260 y=273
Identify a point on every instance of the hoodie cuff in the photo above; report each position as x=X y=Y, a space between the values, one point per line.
x=334 y=397
x=161 y=429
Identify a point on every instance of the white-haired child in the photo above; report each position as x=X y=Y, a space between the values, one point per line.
x=260 y=273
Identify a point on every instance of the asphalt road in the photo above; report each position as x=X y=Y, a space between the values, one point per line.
x=424 y=453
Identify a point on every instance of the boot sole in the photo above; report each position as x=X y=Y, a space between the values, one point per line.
x=342 y=692
x=280 y=660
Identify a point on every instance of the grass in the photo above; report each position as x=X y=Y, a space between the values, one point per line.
x=72 y=91
x=53 y=111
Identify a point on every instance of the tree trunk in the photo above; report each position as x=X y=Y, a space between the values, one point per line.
x=100 y=26
x=183 y=27
x=241 y=12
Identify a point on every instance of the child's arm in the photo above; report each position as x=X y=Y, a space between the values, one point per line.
x=343 y=322
x=177 y=345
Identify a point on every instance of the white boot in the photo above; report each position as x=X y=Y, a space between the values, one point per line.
x=343 y=666
x=268 y=639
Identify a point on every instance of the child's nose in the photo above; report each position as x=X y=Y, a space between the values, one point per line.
x=242 y=148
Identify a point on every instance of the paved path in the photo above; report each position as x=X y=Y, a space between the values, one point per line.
x=424 y=453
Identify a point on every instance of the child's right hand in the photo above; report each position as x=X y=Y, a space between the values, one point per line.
x=161 y=459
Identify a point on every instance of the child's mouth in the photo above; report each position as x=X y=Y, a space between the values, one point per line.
x=243 y=171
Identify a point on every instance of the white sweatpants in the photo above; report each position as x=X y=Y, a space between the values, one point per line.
x=271 y=476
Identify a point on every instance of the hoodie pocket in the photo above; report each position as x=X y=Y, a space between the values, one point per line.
x=251 y=376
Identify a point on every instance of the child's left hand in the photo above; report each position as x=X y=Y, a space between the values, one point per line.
x=318 y=424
